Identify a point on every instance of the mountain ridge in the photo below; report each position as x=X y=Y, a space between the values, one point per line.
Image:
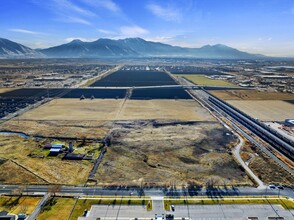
x=128 y=47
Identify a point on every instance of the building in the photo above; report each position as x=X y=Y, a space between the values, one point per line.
x=55 y=149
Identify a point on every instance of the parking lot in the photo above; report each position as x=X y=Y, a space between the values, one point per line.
x=195 y=212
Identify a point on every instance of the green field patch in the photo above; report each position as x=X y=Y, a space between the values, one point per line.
x=57 y=208
x=283 y=201
x=204 y=80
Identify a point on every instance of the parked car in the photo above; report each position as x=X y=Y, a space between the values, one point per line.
x=172 y=208
x=272 y=186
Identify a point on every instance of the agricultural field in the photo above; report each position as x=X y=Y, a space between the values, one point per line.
x=124 y=78
x=112 y=109
x=15 y=157
x=204 y=80
x=265 y=110
x=161 y=152
x=18 y=204
x=251 y=95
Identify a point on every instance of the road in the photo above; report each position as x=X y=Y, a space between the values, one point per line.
x=127 y=191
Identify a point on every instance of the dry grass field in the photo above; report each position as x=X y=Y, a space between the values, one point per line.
x=76 y=109
x=60 y=209
x=265 y=110
x=17 y=205
x=161 y=153
x=183 y=110
x=251 y=95
x=110 y=109
x=2 y=90
x=50 y=169
x=266 y=169
x=66 y=129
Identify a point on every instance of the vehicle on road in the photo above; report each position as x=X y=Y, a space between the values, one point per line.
x=172 y=208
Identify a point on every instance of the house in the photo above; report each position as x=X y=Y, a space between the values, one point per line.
x=70 y=156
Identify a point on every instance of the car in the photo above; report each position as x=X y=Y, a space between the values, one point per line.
x=169 y=217
x=280 y=187
x=172 y=208
x=272 y=186
x=159 y=217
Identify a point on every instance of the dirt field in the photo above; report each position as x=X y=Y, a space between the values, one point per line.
x=204 y=80
x=265 y=110
x=37 y=170
x=161 y=153
x=111 y=109
x=251 y=95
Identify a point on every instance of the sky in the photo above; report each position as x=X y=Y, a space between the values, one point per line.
x=256 y=26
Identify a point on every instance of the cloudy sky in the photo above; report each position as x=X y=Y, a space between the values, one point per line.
x=258 y=26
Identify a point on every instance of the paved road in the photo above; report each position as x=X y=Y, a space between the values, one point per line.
x=98 y=191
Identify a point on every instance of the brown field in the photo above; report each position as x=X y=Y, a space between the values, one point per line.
x=2 y=90
x=51 y=169
x=251 y=95
x=66 y=129
x=265 y=110
x=183 y=110
x=17 y=205
x=110 y=109
x=162 y=152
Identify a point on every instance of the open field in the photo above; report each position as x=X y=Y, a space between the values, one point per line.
x=135 y=78
x=251 y=95
x=164 y=152
x=265 y=110
x=18 y=204
x=3 y=90
x=57 y=208
x=75 y=109
x=50 y=169
x=183 y=110
x=65 y=129
x=109 y=110
x=204 y=80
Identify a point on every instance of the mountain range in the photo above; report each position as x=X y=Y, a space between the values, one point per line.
x=129 y=47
